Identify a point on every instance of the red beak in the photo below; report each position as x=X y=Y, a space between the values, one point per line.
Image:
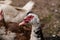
x=22 y=23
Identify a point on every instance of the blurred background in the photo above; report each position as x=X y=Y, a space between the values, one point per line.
x=49 y=14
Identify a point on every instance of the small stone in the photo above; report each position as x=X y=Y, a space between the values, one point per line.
x=55 y=26
x=57 y=21
x=53 y=4
x=54 y=35
x=55 y=10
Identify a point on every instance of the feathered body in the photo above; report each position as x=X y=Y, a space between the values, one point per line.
x=11 y=14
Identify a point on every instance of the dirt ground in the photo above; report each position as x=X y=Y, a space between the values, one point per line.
x=48 y=12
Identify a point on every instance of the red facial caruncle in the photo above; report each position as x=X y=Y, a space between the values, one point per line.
x=27 y=20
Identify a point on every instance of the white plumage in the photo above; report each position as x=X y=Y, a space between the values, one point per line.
x=9 y=36
x=29 y=6
x=35 y=25
x=13 y=15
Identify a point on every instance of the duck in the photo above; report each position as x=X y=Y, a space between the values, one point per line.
x=11 y=13
x=33 y=19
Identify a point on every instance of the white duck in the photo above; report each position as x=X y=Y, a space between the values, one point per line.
x=11 y=14
x=33 y=19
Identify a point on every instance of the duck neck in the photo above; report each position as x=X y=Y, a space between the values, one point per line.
x=35 y=34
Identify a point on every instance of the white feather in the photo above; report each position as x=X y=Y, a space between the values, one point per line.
x=2 y=30
x=9 y=36
x=13 y=15
x=6 y=2
x=29 y=6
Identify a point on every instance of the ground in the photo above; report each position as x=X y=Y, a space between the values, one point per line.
x=48 y=12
